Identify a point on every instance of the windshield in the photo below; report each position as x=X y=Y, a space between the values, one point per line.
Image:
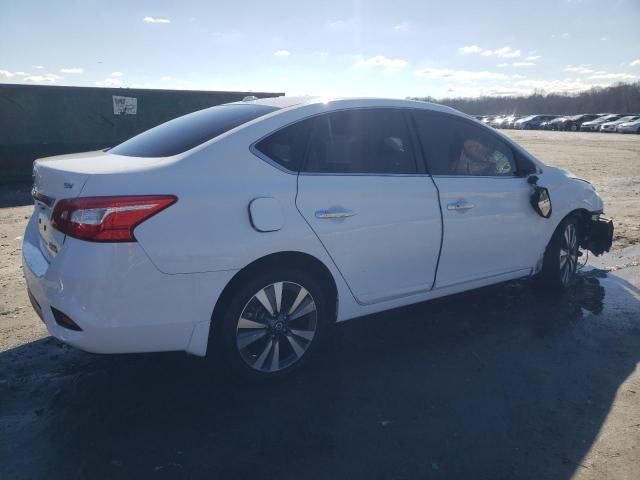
x=183 y=133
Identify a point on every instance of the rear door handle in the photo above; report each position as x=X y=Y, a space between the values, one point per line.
x=460 y=205
x=334 y=214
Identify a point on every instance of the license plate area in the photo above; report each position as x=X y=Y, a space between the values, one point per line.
x=50 y=238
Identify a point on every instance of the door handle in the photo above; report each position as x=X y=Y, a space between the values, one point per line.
x=460 y=205
x=334 y=214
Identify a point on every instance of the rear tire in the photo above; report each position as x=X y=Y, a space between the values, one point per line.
x=561 y=256
x=273 y=323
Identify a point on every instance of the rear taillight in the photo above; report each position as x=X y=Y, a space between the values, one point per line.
x=106 y=219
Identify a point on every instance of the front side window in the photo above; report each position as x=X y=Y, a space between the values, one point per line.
x=186 y=132
x=367 y=141
x=458 y=147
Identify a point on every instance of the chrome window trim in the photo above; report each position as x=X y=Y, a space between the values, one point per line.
x=267 y=159
x=272 y=162
x=497 y=177
x=325 y=174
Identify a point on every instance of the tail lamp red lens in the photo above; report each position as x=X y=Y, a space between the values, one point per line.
x=107 y=219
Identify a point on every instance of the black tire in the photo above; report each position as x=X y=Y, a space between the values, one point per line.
x=227 y=331
x=561 y=256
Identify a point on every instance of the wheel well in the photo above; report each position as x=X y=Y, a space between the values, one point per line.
x=302 y=261
x=583 y=216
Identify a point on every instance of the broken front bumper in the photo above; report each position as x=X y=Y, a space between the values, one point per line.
x=599 y=235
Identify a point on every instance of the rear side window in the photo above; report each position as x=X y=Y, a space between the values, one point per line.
x=184 y=133
x=374 y=141
x=458 y=147
x=287 y=146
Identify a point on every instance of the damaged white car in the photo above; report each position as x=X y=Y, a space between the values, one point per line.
x=251 y=227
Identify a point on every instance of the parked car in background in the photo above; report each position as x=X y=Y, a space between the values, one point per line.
x=551 y=124
x=506 y=121
x=594 y=125
x=533 y=122
x=629 y=127
x=247 y=228
x=613 y=126
x=489 y=119
x=496 y=121
x=573 y=122
x=512 y=121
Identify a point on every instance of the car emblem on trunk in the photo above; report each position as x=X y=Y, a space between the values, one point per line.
x=68 y=185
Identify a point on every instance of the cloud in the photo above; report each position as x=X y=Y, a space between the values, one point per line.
x=380 y=61
x=72 y=70
x=502 y=65
x=38 y=67
x=604 y=39
x=155 y=20
x=462 y=75
x=338 y=24
x=401 y=27
x=565 y=35
x=635 y=63
x=167 y=78
x=281 y=53
x=503 y=52
x=613 y=76
x=523 y=64
x=117 y=74
x=109 y=82
x=532 y=58
x=47 y=77
x=470 y=49
x=581 y=69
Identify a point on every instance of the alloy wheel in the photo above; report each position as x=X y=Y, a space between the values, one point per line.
x=276 y=327
x=568 y=254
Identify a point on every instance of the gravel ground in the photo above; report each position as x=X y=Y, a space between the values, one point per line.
x=502 y=382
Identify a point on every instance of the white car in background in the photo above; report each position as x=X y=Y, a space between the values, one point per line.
x=629 y=127
x=594 y=125
x=613 y=126
x=251 y=227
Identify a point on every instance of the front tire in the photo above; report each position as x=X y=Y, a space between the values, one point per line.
x=273 y=324
x=560 y=263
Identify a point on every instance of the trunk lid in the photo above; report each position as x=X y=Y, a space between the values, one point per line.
x=65 y=176
x=55 y=178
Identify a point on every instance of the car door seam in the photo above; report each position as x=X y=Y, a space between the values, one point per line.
x=425 y=162
x=321 y=243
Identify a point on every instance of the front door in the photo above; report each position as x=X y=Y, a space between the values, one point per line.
x=487 y=219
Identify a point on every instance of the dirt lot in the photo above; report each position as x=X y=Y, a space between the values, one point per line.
x=502 y=382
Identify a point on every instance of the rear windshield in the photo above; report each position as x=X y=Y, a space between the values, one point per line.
x=184 y=133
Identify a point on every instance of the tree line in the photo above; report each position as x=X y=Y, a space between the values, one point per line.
x=618 y=98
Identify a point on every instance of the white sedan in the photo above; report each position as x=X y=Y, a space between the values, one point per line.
x=251 y=227
x=629 y=127
x=613 y=126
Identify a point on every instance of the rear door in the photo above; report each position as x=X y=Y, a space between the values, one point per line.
x=487 y=219
x=374 y=210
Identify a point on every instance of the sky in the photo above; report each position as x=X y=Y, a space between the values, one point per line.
x=390 y=48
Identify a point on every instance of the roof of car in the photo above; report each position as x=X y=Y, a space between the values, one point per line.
x=288 y=102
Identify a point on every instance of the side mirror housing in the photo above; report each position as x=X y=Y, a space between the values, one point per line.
x=541 y=201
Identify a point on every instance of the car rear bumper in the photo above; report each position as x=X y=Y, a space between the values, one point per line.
x=119 y=300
